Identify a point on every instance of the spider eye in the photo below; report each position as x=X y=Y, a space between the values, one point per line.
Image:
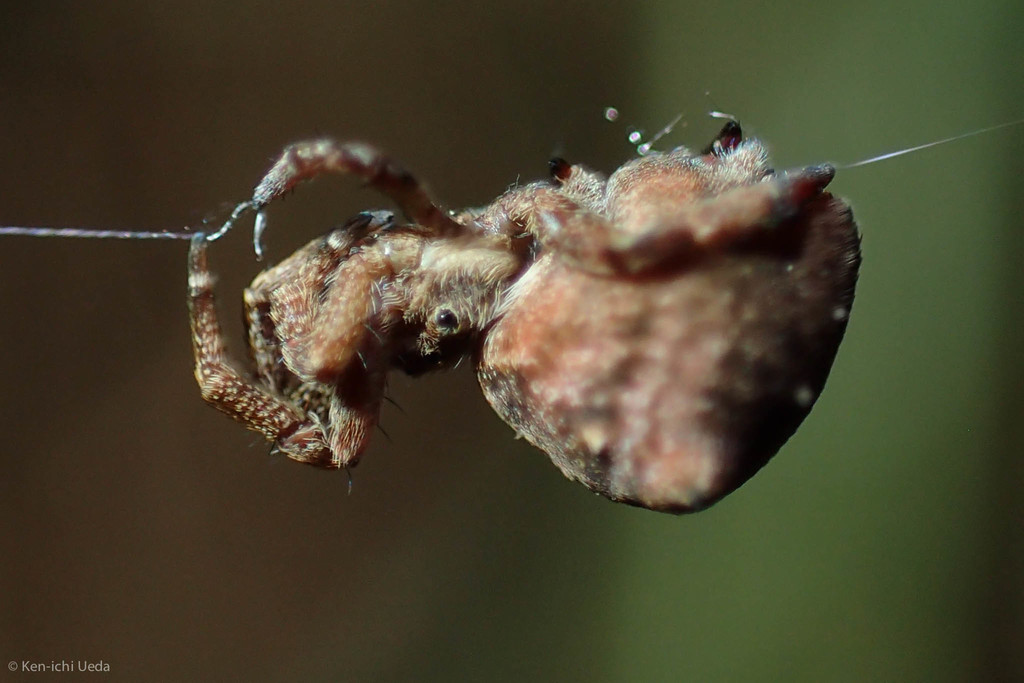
x=447 y=321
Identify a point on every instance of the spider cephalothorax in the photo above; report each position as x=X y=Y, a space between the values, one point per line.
x=659 y=333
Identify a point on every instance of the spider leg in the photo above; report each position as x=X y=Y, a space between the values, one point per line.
x=260 y=327
x=310 y=341
x=282 y=301
x=353 y=412
x=662 y=234
x=298 y=434
x=343 y=419
x=310 y=159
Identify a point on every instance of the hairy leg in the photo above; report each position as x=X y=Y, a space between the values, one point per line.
x=283 y=301
x=297 y=433
x=308 y=160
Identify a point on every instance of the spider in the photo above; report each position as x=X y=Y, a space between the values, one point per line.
x=659 y=333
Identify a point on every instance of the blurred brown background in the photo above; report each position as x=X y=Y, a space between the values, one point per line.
x=142 y=528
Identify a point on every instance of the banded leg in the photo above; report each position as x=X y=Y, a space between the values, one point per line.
x=298 y=434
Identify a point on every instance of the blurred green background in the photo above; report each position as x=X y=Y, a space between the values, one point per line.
x=142 y=528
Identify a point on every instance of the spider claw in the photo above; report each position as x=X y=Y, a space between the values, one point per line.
x=259 y=225
x=238 y=211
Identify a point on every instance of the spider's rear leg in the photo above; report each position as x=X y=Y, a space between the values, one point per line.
x=262 y=409
x=648 y=233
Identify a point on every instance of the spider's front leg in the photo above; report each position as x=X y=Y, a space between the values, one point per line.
x=308 y=160
x=298 y=435
x=278 y=301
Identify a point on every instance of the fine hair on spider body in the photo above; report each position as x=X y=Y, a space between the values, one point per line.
x=659 y=332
